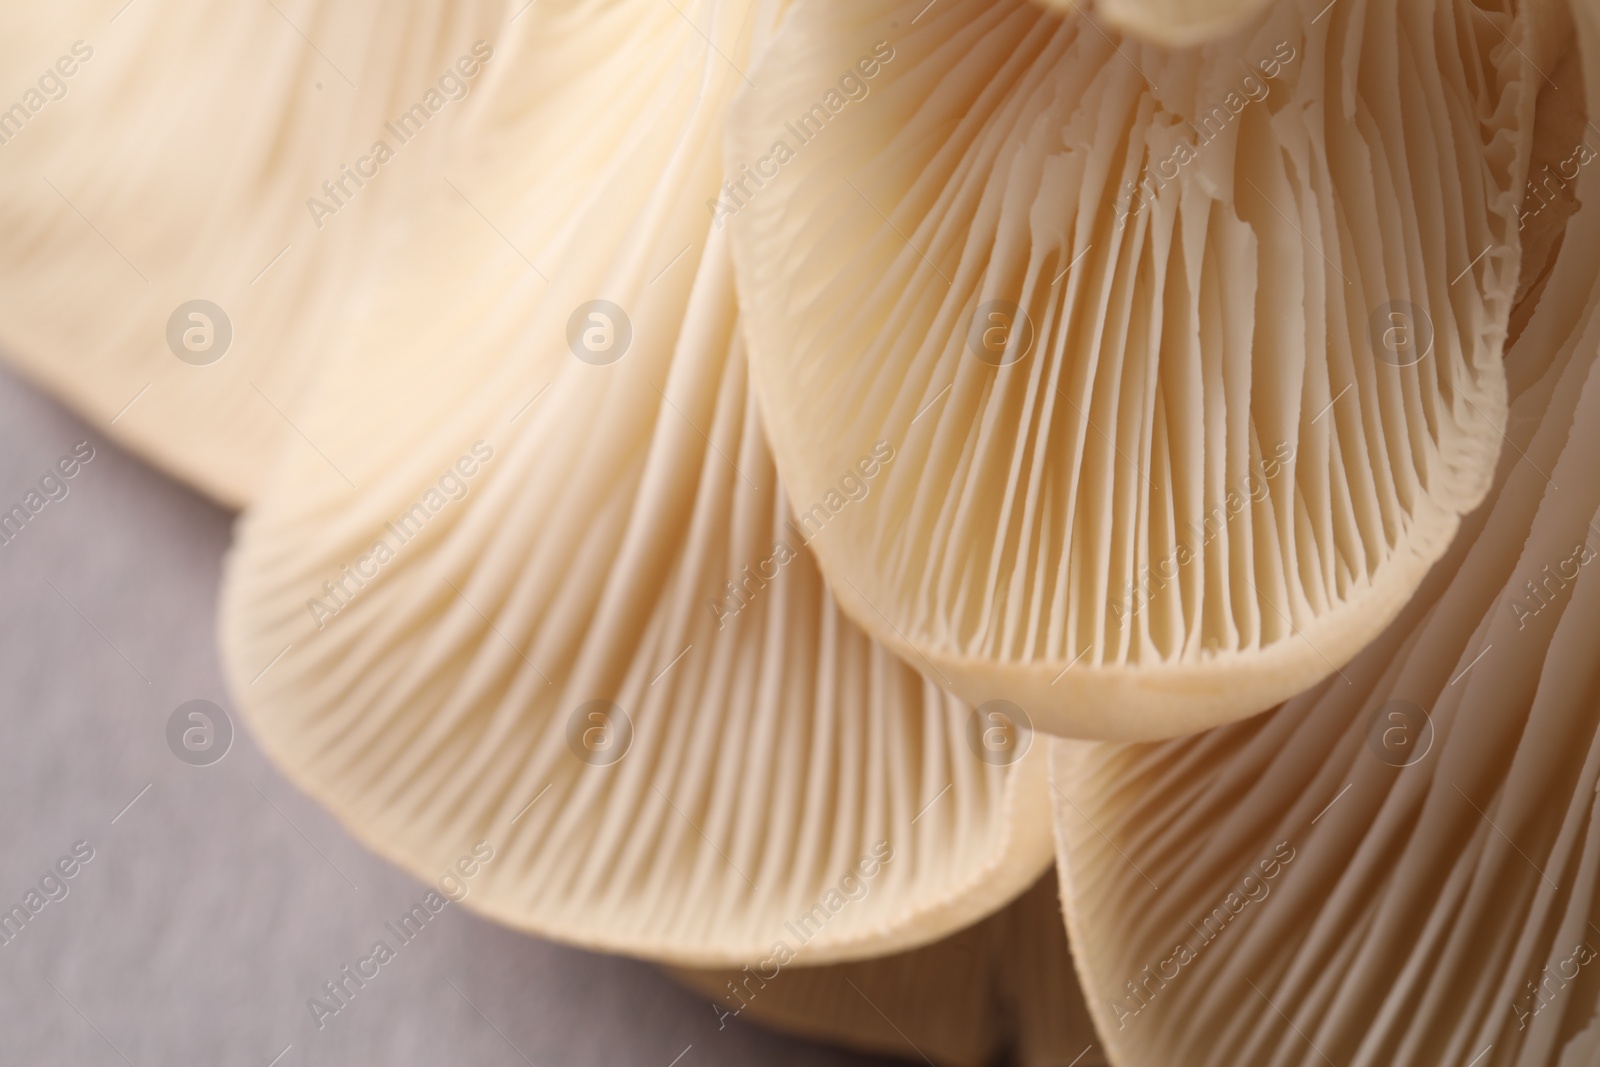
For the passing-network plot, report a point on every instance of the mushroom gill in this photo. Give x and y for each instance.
(1145, 328)
(1398, 866)
(1000, 991)
(162, 267)
(590, 637)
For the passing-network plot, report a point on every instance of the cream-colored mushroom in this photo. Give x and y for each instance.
(1191, 359)
(1174, 23)
(1002, 990)
(1400, 865)
(187, 214)
(590, 637)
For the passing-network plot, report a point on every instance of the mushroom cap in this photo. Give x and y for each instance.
(1400, 865)
(179, 166)
(589, 600)
(1179, 424)
(1173, 23)
(1002, 990)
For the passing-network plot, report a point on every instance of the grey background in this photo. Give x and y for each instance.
(221, 899)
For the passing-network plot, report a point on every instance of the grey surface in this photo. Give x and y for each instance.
(221, 900)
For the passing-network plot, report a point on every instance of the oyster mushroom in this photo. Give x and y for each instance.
(1143, 328)
(1398, 866)
(1174, 23)
(1002, 990)
(590, 638)
(162, 267)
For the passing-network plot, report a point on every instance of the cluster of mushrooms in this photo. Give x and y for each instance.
(829, 488)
